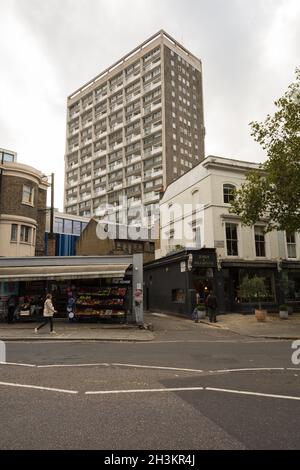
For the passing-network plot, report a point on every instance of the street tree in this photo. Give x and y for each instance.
(273, 192)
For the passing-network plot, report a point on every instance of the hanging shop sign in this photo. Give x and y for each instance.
(204, 260)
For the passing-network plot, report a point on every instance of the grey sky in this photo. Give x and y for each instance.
(249, 50)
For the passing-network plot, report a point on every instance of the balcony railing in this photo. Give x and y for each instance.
(100, 152)
(115, 126)
(74, 147)
(151, 196)
(116, 146)
(133, 96)
(151, 86)
(83, 179)
(134, 181)
(152, 173)
(151, 107)
(84, 197)
(100, 172)
(133, 117)
(116, 86)
(99, 191)
(116, 106)
(152, 64)
(87, 106)
(86, 159)
(72, 182)
(133, 137)
(87, 140)
(113, 166)
(135, 203)
(133, 159)
(71, 200)
(133, 76)
(73, 131)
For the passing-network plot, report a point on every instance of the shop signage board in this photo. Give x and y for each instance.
(204, 260)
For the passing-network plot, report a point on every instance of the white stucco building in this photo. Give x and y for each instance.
(194, 214)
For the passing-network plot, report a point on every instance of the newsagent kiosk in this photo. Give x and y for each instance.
(105, 288)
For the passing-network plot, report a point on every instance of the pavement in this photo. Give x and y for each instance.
(247, 325)
(65, 331)
(161, 324)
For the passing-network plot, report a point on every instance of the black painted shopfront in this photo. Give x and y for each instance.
(176, 282)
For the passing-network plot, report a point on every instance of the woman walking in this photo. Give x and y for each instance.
(48, 314)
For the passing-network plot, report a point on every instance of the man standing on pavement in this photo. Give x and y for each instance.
(12, 305)
(212, 307)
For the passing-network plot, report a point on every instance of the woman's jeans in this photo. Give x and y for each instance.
(47, 320)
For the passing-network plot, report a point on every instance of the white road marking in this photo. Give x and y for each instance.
(156, 367)
(188, 389)
(16, 364)
(8, 384)
(159, 315)
(242, 392)
(229, 341)
(141, 366)
(146, 390)
(74, 365)
(247, 369)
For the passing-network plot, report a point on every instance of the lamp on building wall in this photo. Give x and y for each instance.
(219, 263)
(190, 262)
(279, 265)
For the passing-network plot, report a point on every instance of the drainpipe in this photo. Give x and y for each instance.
(52, 205)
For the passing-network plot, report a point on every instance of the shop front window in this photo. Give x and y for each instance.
(260, 249)
(291, 245)
(231, 240)
(291, 285)
(178, 296)
(267, 276)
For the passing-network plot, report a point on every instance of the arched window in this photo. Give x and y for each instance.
(195, 196)
(228, 193)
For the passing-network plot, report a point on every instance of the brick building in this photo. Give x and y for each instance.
(117, 241)
(23, 197)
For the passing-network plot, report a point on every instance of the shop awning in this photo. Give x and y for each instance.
(60, 270)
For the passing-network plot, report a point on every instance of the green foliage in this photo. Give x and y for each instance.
(253, 289)
(201, 307)
(283, 308)
(273, 192)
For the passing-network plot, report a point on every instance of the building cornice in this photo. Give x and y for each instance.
(25, 171)
(12, 218)
(230, 164)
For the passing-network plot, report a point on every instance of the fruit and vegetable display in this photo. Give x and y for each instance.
(92, 303)
(100, 313)
(88, 300)
(106, 292)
